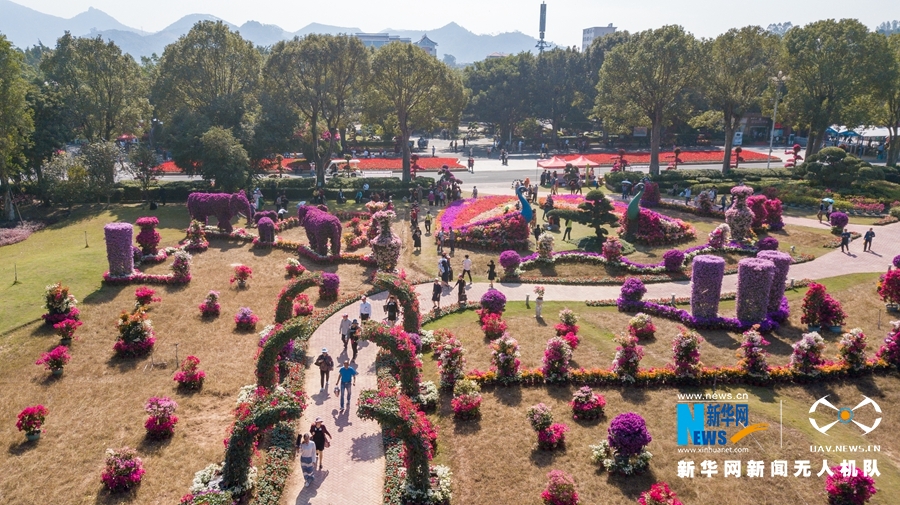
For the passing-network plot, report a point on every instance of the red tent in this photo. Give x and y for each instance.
(554, 163)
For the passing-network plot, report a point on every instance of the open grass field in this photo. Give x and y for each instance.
(98, 402)
(480, 468)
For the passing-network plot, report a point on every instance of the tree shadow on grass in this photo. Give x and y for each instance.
(105, 293)
(105, 497)
(19, 448)
(467, 427)
(508, 396)
(562, 392)
(631, 485)
(149, 445)
(124, 364)
(42, 330)
(633, 394)
(721, 340)
(542, 458)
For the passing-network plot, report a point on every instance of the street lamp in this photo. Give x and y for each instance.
(779, 79)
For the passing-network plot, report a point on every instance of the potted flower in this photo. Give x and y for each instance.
(659, 494)
(55, 360)
(189, 376)
(143, 297)
(302, 306)
(832, 314)
(242, 274)
(210, 306)
(560, 489)
(624, 450)
(162, 419)
(493, 326)
(60, 304)
(539, 416)
(847, 485)
(466, 401)
(812, 306)
(538, 301)
(123, 471)
(245, 319)
(641, 326)
(294, 268)
(30, 420)
(552, 437)
(65, 329)
(586, 404)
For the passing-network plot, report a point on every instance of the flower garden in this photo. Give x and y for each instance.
(194, 339)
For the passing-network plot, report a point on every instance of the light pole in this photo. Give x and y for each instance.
(778, 80)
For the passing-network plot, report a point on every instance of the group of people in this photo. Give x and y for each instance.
(445, 275)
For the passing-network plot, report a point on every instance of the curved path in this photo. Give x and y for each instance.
(354, 464)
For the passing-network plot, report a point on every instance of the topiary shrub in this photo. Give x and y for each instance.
(673, 260)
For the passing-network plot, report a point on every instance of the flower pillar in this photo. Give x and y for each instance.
(148, 238)
(739, 217)
(706, 285)
(386, 245)
(782, 263)
(118, 249)
(754, 284)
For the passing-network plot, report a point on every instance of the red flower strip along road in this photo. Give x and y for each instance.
(700, 156)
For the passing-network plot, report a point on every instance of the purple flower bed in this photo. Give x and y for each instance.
(896, 261)
(754, 284)
(706, 285)
(118, 249)
(10, 236)
(328, 289)
(767, 324)
(628, 434)
(510, 260)
(493, 301)
(782, 262)
(767, 244)
(633, 290)
(673, 260)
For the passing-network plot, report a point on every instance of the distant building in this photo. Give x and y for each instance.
(495, 55)
(428, 45)
(589, 34)
(377, 40)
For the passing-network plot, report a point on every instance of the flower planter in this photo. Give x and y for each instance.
(811, 327)
(56, 372)
(241, 284)
(835, 329)
(892, 307)
(65, 341)
(31, 437)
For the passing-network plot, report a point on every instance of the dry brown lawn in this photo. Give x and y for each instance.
(98, 402)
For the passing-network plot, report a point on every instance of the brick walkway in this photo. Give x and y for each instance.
(354, 464)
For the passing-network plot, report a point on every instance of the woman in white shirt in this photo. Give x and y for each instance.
(307, 450)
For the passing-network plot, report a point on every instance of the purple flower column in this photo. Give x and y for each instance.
(782, 263)
(266, 230)
(706, 285)
(118, 249)
(754, 284)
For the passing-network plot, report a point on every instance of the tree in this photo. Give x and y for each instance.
(317, 76)
(736, 73)
(832, 167)
(831, 64)
(419, 88)
(66, 179)
(779, 29)
(499, 90)
(143, 166)
(52, 129)
(102, 87)
(100, 160)
(886, 95)
(596, 212)
(223, 159)
(208, 77)
(888, 27)
(649, 74)
(15, 119)
(559, 75)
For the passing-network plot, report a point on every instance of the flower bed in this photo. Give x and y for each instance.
(685, 155)
(654, 228)
(423, 163)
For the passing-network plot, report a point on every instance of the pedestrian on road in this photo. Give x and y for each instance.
(867, 240)
(451, 240)
(348, 379)
(436, 290)
(492, 272)
(828, 212)
(568, 233)
(353, 337)
(821, 211)
(392, 308)
(319, 432)
(428, 223)
(432, 151)
(345, 328)
(536, 231)
(687, 195)
(467, 268)
(845, 241)
(326, 365)
(474, 192)
(306, 448)
(724, 200)
(461, 293)
(365, 309)
(417, 239)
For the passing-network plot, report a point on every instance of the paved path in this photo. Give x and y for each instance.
(354, 464)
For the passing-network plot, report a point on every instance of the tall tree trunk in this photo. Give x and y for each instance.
(404, 135)
(655, 132)
(729, 140)
(893, 146)
(320, 168)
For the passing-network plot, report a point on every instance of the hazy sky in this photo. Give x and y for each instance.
(565, 18)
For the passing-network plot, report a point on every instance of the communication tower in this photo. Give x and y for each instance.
(541, 43)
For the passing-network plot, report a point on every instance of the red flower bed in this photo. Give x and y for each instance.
(397, 163)
(699, 156)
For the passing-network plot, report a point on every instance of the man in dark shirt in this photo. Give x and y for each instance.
(845, 241)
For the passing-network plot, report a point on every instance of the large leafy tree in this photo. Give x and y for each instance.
(223, 159)
(319, 76)
(831, 64)
(143, 166)
(886, 94)
(15, 119)
(100, 160)
(738, 64)
(557, 88)
(52, 128)
(650, 75)
(103, 89)
(499, 90)
(208, 77)
(420, 89)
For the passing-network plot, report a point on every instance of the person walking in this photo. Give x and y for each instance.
(318, 432)
(440, 241)
(867, 240)
(444, 269)
(348, 379)
(428, 223)
(306, 448)
(353, 337)
(845, 241)
(568, 233)
(467, 268)
(436, 290)
(536, 231)
(326, 365)
(492, 272)
(687, 195)
(474, 192)
(451, 240)
(471, 163)
(461, 293)
(365, 309)
(417, 239)
(828, 212)
(821, 211)
(724, 200)
(392, 308)
(345, 328)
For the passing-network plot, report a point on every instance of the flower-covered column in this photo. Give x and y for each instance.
(386, 245)
(706, 285)
(782, 263)
(148, 238)
(739, 217)
(118, 249)
(266, 230)
(754, 284)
